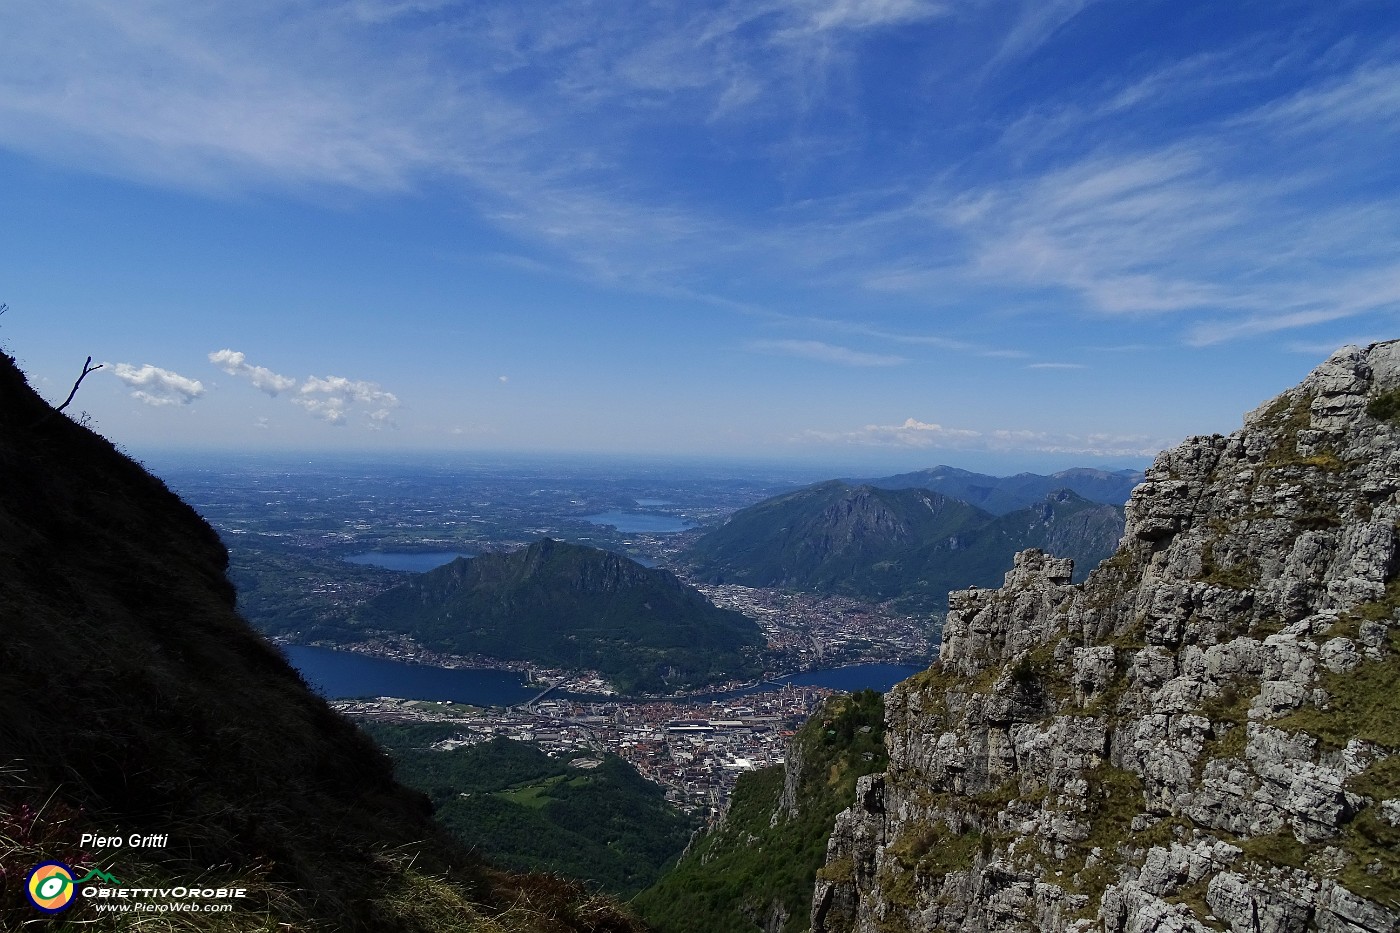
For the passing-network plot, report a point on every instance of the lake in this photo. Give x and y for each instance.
(411, 562)
(636, 522)
(343, 674)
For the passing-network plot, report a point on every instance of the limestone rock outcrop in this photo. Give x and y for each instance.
(1203, 735)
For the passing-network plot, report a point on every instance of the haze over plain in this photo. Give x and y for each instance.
(836, 231)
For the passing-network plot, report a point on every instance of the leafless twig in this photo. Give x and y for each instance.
(87, 369)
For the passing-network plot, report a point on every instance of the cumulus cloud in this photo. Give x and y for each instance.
(925, 434)
(235, 364)
(330, 410)
(355, 390)
(156, 386)
(331, 398)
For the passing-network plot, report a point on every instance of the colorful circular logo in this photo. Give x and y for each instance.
(50, 887)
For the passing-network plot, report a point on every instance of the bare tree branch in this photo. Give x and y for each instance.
(87, 368)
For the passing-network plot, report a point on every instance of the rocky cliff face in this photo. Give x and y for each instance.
(1201, 736)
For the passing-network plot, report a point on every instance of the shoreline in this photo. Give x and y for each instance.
(581, 683)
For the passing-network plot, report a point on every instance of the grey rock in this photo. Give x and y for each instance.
(1247, 907)
(1100, 783)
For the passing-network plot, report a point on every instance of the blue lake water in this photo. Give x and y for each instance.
(412, 562)
(634, 522)
(341, 674)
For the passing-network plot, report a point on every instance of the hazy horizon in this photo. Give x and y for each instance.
(816, 468)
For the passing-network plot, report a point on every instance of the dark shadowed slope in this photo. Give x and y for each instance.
(133, 699)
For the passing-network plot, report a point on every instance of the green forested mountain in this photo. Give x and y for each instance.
(755, 870)
(572, 606)
(908, 544)
(523, 809)
(134, 700)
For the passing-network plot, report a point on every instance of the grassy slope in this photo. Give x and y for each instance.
(731, 878)
(525, 810)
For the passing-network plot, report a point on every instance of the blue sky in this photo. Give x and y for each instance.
(991, 233)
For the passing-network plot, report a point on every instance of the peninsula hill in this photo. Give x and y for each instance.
(568, 605)
(910, 544)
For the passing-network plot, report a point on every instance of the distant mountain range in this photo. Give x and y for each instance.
(909, 544)
(568, 605)
(1002, 494)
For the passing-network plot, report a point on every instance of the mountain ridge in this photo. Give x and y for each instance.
(1002, 494)
(909, 544)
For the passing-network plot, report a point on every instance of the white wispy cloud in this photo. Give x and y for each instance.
(1245, 225)
(155, 386)
(1368, 95)
(864, 14)
(1036, 22)
(200, 96)
(913, 433)
(1054, 366)
(383, 11)
(824, 352)
(1237, 223)
(235, 363)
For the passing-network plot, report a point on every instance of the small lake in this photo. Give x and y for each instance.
(411, 562)
(343, 674)
(635, 522)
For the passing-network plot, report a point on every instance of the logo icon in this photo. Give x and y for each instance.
(50, 887)
(95, 875)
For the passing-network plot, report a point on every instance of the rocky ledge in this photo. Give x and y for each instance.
(1200, 736)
